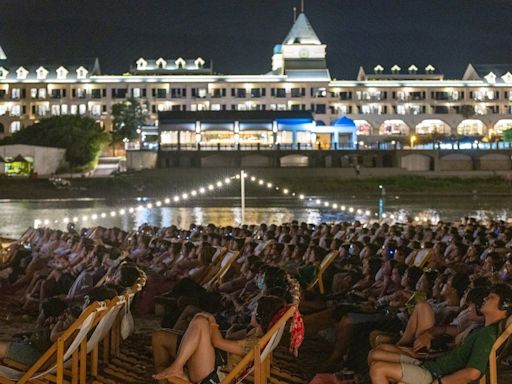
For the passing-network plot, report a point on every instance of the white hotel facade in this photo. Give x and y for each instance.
(384, 102)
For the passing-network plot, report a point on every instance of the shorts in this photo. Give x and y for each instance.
(413, 372)
(23, 353)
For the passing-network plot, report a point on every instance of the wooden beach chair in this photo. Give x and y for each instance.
(498, 349)
(226, 263)
(326, 263)
(68, 350)
(114, 363)
(256, 362)
(422, 257)
(214, 267)
(102, 329)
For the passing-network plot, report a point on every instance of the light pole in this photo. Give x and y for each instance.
(413, 140)
(242, 195)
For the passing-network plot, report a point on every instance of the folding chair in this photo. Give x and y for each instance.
(259, 357)
(58, 356)
(326, 263)
(102, 329)
(497, 350)
(214, 266)
(226, 263)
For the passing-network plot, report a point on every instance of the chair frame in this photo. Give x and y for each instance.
(259, 356)
(493, 356)
(59, 349)
(326, 263)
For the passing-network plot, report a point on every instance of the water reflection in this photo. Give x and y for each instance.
(16, 216)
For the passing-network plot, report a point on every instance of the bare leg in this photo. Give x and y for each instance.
(196, 351)
(384, 352)
(186, 316)
(384, 373)
(343, 336)
(164, 345)
(3, 348)
(421, 319)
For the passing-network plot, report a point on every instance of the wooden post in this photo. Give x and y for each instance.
(83, 360)
(60, 360)
(258, 379)
(74, 368)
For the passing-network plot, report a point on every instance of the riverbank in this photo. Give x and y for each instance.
(164, 182)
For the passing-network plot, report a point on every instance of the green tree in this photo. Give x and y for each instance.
(81, 137)
(127, 117)
(467, 111)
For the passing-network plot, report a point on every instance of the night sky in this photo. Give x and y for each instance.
(238, 35)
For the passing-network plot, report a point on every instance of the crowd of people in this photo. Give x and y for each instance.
(402, 302)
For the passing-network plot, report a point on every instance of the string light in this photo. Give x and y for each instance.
(211, 187)
(150, 205)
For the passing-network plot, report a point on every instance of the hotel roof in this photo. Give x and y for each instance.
(302, 32)
(170, 117)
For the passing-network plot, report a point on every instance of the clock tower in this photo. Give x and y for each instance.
(2, 54)
(301, 49)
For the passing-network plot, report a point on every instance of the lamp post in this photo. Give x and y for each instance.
(242, 195)
(413, 140)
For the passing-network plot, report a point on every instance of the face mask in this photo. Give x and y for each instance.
(261, 282)
(351, 250)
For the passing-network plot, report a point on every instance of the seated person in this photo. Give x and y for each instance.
(197, 348)
(466, 363)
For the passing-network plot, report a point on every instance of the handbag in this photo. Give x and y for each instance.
(127, 324)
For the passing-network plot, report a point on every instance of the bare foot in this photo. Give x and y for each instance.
(172, 371)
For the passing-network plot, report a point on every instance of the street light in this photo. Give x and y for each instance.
(413, 139)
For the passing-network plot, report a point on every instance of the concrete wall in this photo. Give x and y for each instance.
(137, 160)
(495, 162)
(416, 162)
(46, 160)
(456, 162)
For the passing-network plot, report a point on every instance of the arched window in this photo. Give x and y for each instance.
(433, 126)
(502, 125)
(471, 127)
(394, 127)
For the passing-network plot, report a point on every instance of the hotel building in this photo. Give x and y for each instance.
(384, 103)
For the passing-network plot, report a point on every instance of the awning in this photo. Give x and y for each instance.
(344, 122)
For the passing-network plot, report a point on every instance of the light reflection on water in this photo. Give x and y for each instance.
(16, 216)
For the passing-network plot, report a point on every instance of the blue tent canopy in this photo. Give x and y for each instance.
(344, 122)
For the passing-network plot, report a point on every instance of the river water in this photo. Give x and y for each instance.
(17, 215)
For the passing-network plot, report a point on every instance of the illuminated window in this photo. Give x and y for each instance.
(55, 110)
(15, 126)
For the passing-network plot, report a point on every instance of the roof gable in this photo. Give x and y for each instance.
(302, 32)
(2, 54)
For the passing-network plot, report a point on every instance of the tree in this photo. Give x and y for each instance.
(467, 111)
(81, 137)
(127, 117)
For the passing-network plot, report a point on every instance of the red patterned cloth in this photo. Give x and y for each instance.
(296, 328)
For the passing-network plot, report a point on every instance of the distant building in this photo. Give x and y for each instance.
(23, 160)
(383, 102)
